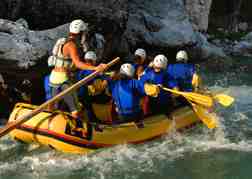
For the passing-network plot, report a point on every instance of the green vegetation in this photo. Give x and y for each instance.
(223, 34)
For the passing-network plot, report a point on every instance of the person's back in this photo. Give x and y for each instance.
(182, 74)
(153, 77)
(126, 94)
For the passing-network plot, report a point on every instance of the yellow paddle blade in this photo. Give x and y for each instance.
(224, 99)
(204, 100)
(209, 119)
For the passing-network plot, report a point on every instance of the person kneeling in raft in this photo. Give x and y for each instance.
(156, 74)
(92, 88)
(126, 94)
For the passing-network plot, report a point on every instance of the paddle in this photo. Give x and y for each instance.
(24, 118)
(204, 100)
(208, 119)
(224, 99)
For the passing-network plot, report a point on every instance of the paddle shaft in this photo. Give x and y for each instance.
(10, 126)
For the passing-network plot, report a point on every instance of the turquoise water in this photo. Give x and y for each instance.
(225, 153)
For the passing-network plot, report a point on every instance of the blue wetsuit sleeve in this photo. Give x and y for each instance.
(82, 74)
(145, 77)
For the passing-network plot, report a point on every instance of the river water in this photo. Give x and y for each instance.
(225, 153)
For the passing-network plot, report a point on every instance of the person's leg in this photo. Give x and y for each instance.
(54, 90)
(92, 118)
(139, 120)
(113, 113)
(146, 106)
(72, 102)
(155, 106)
(73, 105)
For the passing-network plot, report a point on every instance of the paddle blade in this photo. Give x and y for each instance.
(224, 100)
(204, 100)
(209, 119)
(199, 99)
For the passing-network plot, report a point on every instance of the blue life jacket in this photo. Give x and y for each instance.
(180, 75)
(82, 74)
(48, 94)
(150, 76)
(126, 95)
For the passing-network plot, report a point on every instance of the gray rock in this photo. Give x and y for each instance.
(23, 48)
(244, 47)
(243, 26)
(158, 23)
(198, 11)
(205, 50)
(23, 22)
(126, 25)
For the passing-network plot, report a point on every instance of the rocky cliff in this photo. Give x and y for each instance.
(160, 26)
(198, 11)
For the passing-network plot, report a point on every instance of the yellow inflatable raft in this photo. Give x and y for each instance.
(51, 129)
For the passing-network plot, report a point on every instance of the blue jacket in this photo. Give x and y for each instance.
(180, 75)
(126, 95)
(150, 76)
(82, 74)
(48, 94)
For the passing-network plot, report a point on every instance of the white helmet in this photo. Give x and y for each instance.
(90, 55)
(141, 52)
(77, 26)
(182, 56)
(160, 61)
(127, 69)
